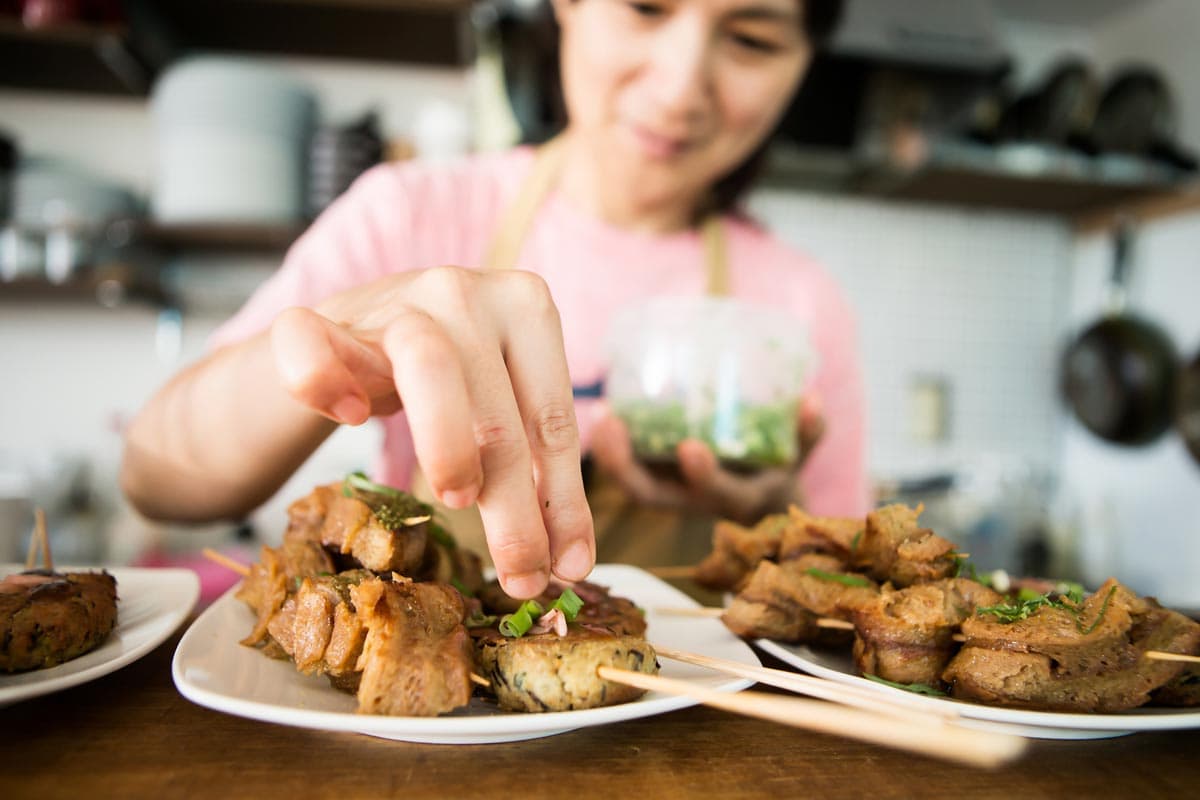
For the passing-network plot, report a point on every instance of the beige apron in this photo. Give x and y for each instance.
(626, 532)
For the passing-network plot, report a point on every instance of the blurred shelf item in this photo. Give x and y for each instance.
(125, 58)
(1017, 177)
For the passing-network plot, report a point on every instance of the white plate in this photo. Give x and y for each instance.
(151, 604)
(213, 670)
(839, 666)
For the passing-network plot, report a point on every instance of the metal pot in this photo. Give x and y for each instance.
(1187, 417)
(1119, 376)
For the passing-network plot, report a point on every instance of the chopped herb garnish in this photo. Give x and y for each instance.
(569, 603)
(854, 542)
(915, 688)
(393, 508)
(1066, 597)
(1023, 608)
(965, 569)
(462, 587)
(845, 580)
(479, 620)
(1103, 608)
(518, 623)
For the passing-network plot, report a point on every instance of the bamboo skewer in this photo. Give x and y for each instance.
(964, 745)
(679, 571)
(822, 622)
(227, 562)
(1160, 655)
(914, 709)
(39, 539)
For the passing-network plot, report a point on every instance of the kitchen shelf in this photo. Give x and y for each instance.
(94, 59)
(124, 59)
(1026, 178)
(231, 237)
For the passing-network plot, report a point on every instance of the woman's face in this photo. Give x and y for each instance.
(670, 95)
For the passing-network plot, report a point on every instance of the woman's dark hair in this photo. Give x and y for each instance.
(530, 42)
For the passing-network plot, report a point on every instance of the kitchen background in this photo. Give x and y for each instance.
(968, 289)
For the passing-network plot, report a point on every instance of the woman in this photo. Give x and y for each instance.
(665, 100)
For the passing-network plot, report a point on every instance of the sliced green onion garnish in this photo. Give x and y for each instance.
(915, 688)
(516, 624)
(462, 587)
(845, 580)
(1103, 608)
(569, 603)
(854, 542)
(359, 480)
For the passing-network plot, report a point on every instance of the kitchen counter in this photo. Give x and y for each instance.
(131, 734)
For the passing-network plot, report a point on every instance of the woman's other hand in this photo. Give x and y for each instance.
(476, 360)
(706, 485)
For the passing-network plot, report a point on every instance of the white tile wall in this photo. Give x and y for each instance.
(968, 297)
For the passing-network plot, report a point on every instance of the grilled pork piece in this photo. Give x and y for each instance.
(738, 549)
(894, 548)
(836, 536)
(784, 601)
(1063, 657)
(547, 672)
(365, 526)
(907, 635)
(417, 659)
(47, 618)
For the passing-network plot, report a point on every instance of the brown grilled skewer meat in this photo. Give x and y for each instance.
(907, 635)
(1066, 657)
(786, 601)
(737, 550)
(47, 618)
(349, 627)
(894, 548)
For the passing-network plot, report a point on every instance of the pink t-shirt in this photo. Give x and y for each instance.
(413, 215)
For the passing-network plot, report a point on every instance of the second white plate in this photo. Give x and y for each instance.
(151, 604)
(210, 668)
(838, 666)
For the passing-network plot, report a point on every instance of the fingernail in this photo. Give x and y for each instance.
(459, 498)
(524, 585)
(575, 563)
(351, 410)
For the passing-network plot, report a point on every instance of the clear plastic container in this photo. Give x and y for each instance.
(714, 369)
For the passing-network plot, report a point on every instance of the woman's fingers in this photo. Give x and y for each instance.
(428, 374)
(613, 452)
(739, 497)
(811, 425)
(305, 346)
(537, 366)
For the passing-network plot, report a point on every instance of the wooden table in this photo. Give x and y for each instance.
(131, 734)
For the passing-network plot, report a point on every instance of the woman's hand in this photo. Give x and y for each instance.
(707, 486)
(476, 360)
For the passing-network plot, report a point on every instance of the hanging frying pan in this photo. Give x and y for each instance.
(1119, 375)
(1187, 418)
